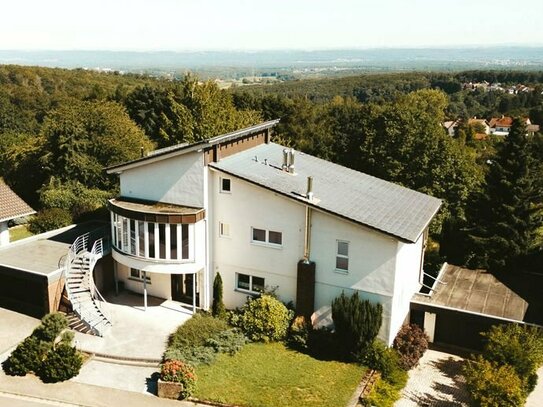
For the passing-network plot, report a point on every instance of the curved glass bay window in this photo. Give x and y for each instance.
(147, 231)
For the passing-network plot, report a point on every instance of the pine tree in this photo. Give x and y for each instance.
(217, 308)
(504, 217)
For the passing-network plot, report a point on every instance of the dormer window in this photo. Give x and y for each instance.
(226, 185)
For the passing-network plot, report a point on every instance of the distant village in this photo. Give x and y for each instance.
(497, 87)
(496, 126)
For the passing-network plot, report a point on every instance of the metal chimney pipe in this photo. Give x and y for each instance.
(309, 193)
(285, 160)
(291, 161)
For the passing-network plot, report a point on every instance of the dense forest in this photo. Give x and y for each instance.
(60, 128)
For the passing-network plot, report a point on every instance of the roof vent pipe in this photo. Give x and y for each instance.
(291, 161)
(285, 159)
(309, 193)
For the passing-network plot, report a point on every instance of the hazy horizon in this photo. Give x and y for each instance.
(251, 25)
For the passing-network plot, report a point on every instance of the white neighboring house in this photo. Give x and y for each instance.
(265, 216)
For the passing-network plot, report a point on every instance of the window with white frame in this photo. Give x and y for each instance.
(250, 283)
(226, 185)
(224, 229)
(342, 255)
(136, 274)
(270, 237)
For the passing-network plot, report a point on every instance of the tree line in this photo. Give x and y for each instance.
(60, 128)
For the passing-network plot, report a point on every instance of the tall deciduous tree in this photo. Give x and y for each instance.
(187, 111)
(505, 216)
(83, 138)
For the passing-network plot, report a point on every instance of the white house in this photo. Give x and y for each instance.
(264, 216)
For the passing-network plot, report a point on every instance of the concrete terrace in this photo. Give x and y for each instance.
(135, 333)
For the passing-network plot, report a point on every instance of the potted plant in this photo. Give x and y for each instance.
(177, 380)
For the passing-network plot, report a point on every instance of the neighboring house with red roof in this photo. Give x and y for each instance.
(11, 207)
(500, 126)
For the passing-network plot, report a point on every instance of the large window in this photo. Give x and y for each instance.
(342, 255)
(152, 240)
(250, 283)
(270, 237)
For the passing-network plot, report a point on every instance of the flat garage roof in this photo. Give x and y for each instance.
(475, 291)
(42, 253)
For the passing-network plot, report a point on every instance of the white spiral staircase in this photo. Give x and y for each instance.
(87, 302)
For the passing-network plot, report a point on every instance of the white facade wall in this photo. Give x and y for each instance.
(251, 206)
(372, 255)
(160, 285)
(200, 259)
(178, 180)
(407, 281)
(372, 264)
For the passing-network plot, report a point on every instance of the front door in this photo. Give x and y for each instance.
(183, 288)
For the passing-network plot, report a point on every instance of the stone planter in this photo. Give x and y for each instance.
(169, 390)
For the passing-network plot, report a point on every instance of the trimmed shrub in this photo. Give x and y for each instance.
(61, 363)
(491, 385)
(194, 355)
(411, 343)
(49, 219)
(265, 319)
(196, 331)
(518, 346)
(51, 327)
(357, 322)
(27, 357)
(217, 309)
(179, 372)
(382, 358)
(299, 333)
(230, 341)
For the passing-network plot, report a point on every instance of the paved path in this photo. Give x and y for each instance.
(435, 382)
(68, 394)
(535, 399)
(14, 327)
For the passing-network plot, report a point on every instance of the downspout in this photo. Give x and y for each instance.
(307, 229)
(307, 234)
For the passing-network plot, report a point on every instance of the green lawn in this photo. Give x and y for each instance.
(272, 375)
(19, 232)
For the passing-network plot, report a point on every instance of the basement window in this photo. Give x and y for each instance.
(250, 283)
(342, 256)
(136, 274)
(226, 185)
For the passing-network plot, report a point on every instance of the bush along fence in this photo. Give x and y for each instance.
(506, 371)
(47, 352)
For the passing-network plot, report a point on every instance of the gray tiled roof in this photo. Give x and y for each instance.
(11, 206)
(381, 205)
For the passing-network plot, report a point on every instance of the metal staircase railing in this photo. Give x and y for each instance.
(96, 319)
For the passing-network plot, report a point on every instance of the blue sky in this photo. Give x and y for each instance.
(177, 25)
